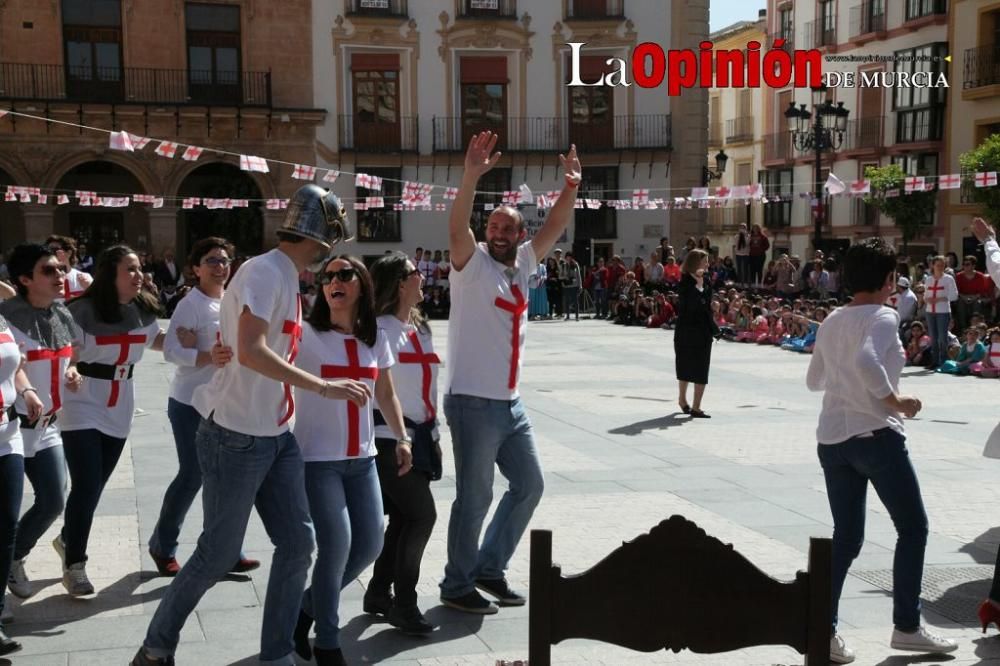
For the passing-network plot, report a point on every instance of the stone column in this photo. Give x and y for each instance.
(689, 120)
(162, 228)
(39, 223)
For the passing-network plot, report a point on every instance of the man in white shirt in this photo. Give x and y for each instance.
(857, 362)
(489, 426)
(248, 455)
(904, 301)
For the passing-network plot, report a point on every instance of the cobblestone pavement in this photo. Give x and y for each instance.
(618, 458)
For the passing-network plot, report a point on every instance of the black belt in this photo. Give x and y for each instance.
(31, 425)
(425, 457)
(105, 371)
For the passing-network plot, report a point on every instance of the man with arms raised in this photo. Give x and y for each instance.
(489, 426)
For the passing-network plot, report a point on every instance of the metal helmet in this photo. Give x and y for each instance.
(317, 214)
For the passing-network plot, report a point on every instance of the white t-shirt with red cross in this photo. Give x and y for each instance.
(942, 287)
(197, 312)
(46, 370)
(10, 360)
(103, 404)
(415, 374)
(487, 324)
(73, 285)
(241, 399)
(338, 429)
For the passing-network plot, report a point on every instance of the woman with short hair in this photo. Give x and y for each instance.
(694, 331)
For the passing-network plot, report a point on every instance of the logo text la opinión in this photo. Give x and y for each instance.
(707, 68)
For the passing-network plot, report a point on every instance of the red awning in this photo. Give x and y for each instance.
(491, 69)
(591, 68)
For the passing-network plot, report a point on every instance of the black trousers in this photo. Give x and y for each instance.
(410, 506)
(91, 457)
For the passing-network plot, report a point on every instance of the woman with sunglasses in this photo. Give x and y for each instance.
(117, 320)
(197, 313)
(76, 281)
(44, 331)
(342, 340)
(408, 500)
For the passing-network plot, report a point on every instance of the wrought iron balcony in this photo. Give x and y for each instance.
(386, 8)
(822, 33)
(133, 85)
(865, 133)
(916, 9)
(487, 9)
(552, 134)
(867, 18)
(739, 129)
(982, 66)
(362, 135)
(788, 35)
(592, 10)
(778, 146)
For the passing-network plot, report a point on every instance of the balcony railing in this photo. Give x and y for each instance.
(589, 10)
(982, 66)
(822, 33)
(864, 133)
(868, 17)
(916, 9)
(388, 8)
(739, 129)
(488, 9)
(550, 134)
(778, 146)
(864, 214)
(916, 125)
(361, 135)
(132, 85)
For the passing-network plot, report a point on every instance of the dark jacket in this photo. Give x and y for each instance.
(694, 309)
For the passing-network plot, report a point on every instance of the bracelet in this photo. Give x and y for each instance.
(33, 390)
(405, 440)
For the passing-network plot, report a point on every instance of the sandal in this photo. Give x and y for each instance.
(698, 414)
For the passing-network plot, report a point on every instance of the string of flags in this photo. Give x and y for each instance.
(418, 196)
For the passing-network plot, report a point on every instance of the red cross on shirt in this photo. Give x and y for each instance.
(353, 370)
(124, 342)
(294, 329)
(516, 309)
(425, 361)
(4, 337)
(52, 356)
(934, 289)
(69, 293)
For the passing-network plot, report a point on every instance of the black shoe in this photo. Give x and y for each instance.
(143, 659)
(410, 621)
(301, 636)
(501, 590)
(7, 644)
(698, 414)
(376, 603)
(472, 602)
(330, 657)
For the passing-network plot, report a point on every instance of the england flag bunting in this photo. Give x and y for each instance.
(9, 196)
(360, 205)
(62, 200)
(304, 172)
(166, 149)
(190, 202)
(699, 192)
(986, 179)
(913, 183)
(253, 163)
(723, 192)
(192, 153)
(450, 193)
(640, 196)
(121, 141)
(273, 204)
(863, 186)
(138, 142)
(951, 181)
(331, 176)
(158, 202)
(440, 206)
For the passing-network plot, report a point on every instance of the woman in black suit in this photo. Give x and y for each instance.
(694, 332)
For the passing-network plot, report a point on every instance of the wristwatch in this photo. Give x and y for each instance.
(405, 440)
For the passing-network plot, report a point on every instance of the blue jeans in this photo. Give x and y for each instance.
(184, 421)
(11, 487)
(346, 505)
(883, 460)
(485, 433)
(240, 472)
(46, 471)
(601, 302)
(937, 328)
(91, 457)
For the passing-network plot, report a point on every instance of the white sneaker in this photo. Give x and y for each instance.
(75, 580)
(17, 581)
(839, 652)
(921, 641)
(60, 547)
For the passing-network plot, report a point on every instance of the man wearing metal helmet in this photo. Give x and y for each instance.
(248, 455)
(489, 288)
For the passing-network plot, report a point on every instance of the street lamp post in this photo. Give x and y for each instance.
(826, 133)
(707, 175)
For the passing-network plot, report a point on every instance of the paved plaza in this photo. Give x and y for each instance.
(618, 459)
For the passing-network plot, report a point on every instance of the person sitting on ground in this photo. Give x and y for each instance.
(970, 355)
(990, 367)
(918, 349)
(671, 274)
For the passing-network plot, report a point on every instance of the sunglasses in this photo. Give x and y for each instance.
(52, 271)
(344, 275)
(217, 261)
